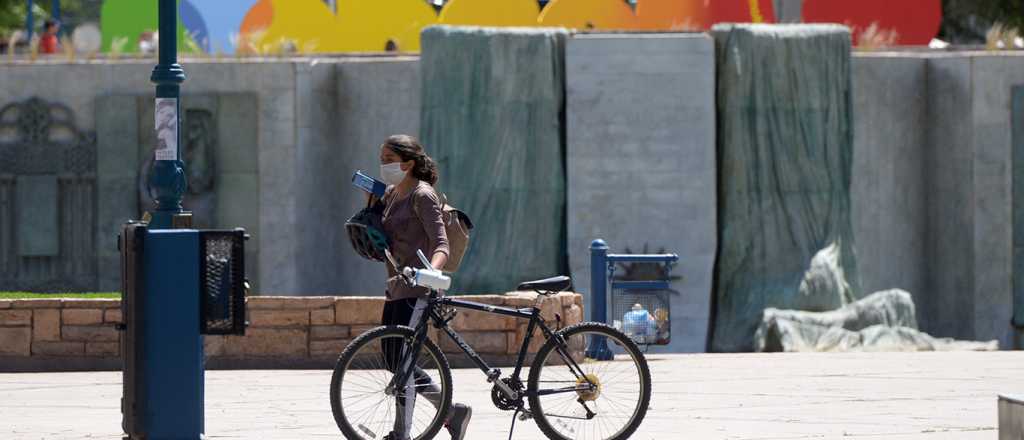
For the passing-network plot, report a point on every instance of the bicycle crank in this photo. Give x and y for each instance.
(503, 401)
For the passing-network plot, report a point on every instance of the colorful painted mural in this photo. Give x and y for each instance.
(230, 26)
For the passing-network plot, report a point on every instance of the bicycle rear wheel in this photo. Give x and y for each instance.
(364, 406)
(602, 400)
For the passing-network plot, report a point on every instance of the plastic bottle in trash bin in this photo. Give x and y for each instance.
(638, 323)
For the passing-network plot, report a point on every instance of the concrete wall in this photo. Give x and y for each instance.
(933, 215)
(640, 120)
(289, 143)
(888, 186)
(991, 82)
(375, 99)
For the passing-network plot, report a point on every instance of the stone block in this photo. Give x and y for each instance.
(321, 317)
(82, 316)
(46, 325)
(288, 302)
(327, 348)
(318, 332)
(213, 345)
(102, 348)
(268, 342)
(481, 321)
(85, 333)
(358, 310)
(535, 341)
(37, 216)
(44, 348)
(15, 318)
(573, 315)
(278, 318)
(16, 341)
(516, 300)
(5, 303)
(482, 342)
(112, 316)
(36, 304)
(567, 298)
(549, 308)
(357, 330)
(90, 303)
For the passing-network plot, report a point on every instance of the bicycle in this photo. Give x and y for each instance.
(587, 381)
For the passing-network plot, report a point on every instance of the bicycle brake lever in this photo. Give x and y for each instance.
(424, 260)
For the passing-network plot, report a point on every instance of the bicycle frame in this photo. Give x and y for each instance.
(493, 374)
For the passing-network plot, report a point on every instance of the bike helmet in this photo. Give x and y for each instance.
(366, 233)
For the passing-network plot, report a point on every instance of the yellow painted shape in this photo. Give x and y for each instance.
(308, 24)
(367, 25)
(755, 11)
(588, 14)
(490, 12)
(676, 15)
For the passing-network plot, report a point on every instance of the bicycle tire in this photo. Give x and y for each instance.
(537, 368)
(370, 336)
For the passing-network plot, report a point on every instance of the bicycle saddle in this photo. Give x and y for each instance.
(555, 284)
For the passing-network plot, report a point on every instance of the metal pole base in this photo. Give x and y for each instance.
(599, 349)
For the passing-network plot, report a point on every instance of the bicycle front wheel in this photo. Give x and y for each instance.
(575, 396)
(366, 403)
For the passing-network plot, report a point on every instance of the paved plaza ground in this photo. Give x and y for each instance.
(742, 396)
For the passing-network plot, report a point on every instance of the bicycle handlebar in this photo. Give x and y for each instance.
(428, 277)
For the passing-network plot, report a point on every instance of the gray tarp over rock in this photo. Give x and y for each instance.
(492, 116)
(785, 152)
(882, 321)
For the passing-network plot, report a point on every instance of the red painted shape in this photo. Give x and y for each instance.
(916, 21)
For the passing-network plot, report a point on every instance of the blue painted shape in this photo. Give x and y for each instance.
(223, 19)
(171, 344)
(194, 24)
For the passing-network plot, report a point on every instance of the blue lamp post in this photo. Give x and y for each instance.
(167, 181)
(30, 22)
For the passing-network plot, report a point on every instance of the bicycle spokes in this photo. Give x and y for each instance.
(585, 398)
(375, 403)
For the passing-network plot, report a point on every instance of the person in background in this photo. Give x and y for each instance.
(48, 42)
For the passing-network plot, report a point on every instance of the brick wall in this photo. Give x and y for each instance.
(283, 332)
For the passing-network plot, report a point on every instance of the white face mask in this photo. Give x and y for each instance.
(392, 173)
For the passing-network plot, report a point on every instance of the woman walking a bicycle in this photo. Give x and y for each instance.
(587, 381)
(412, 221)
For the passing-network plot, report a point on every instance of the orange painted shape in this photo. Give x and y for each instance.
(259, 17)
(916, 21)
(743, 11)
(490, 12)
(673, 14)
(588, 14)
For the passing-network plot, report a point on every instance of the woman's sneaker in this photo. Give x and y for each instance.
(459, 421)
